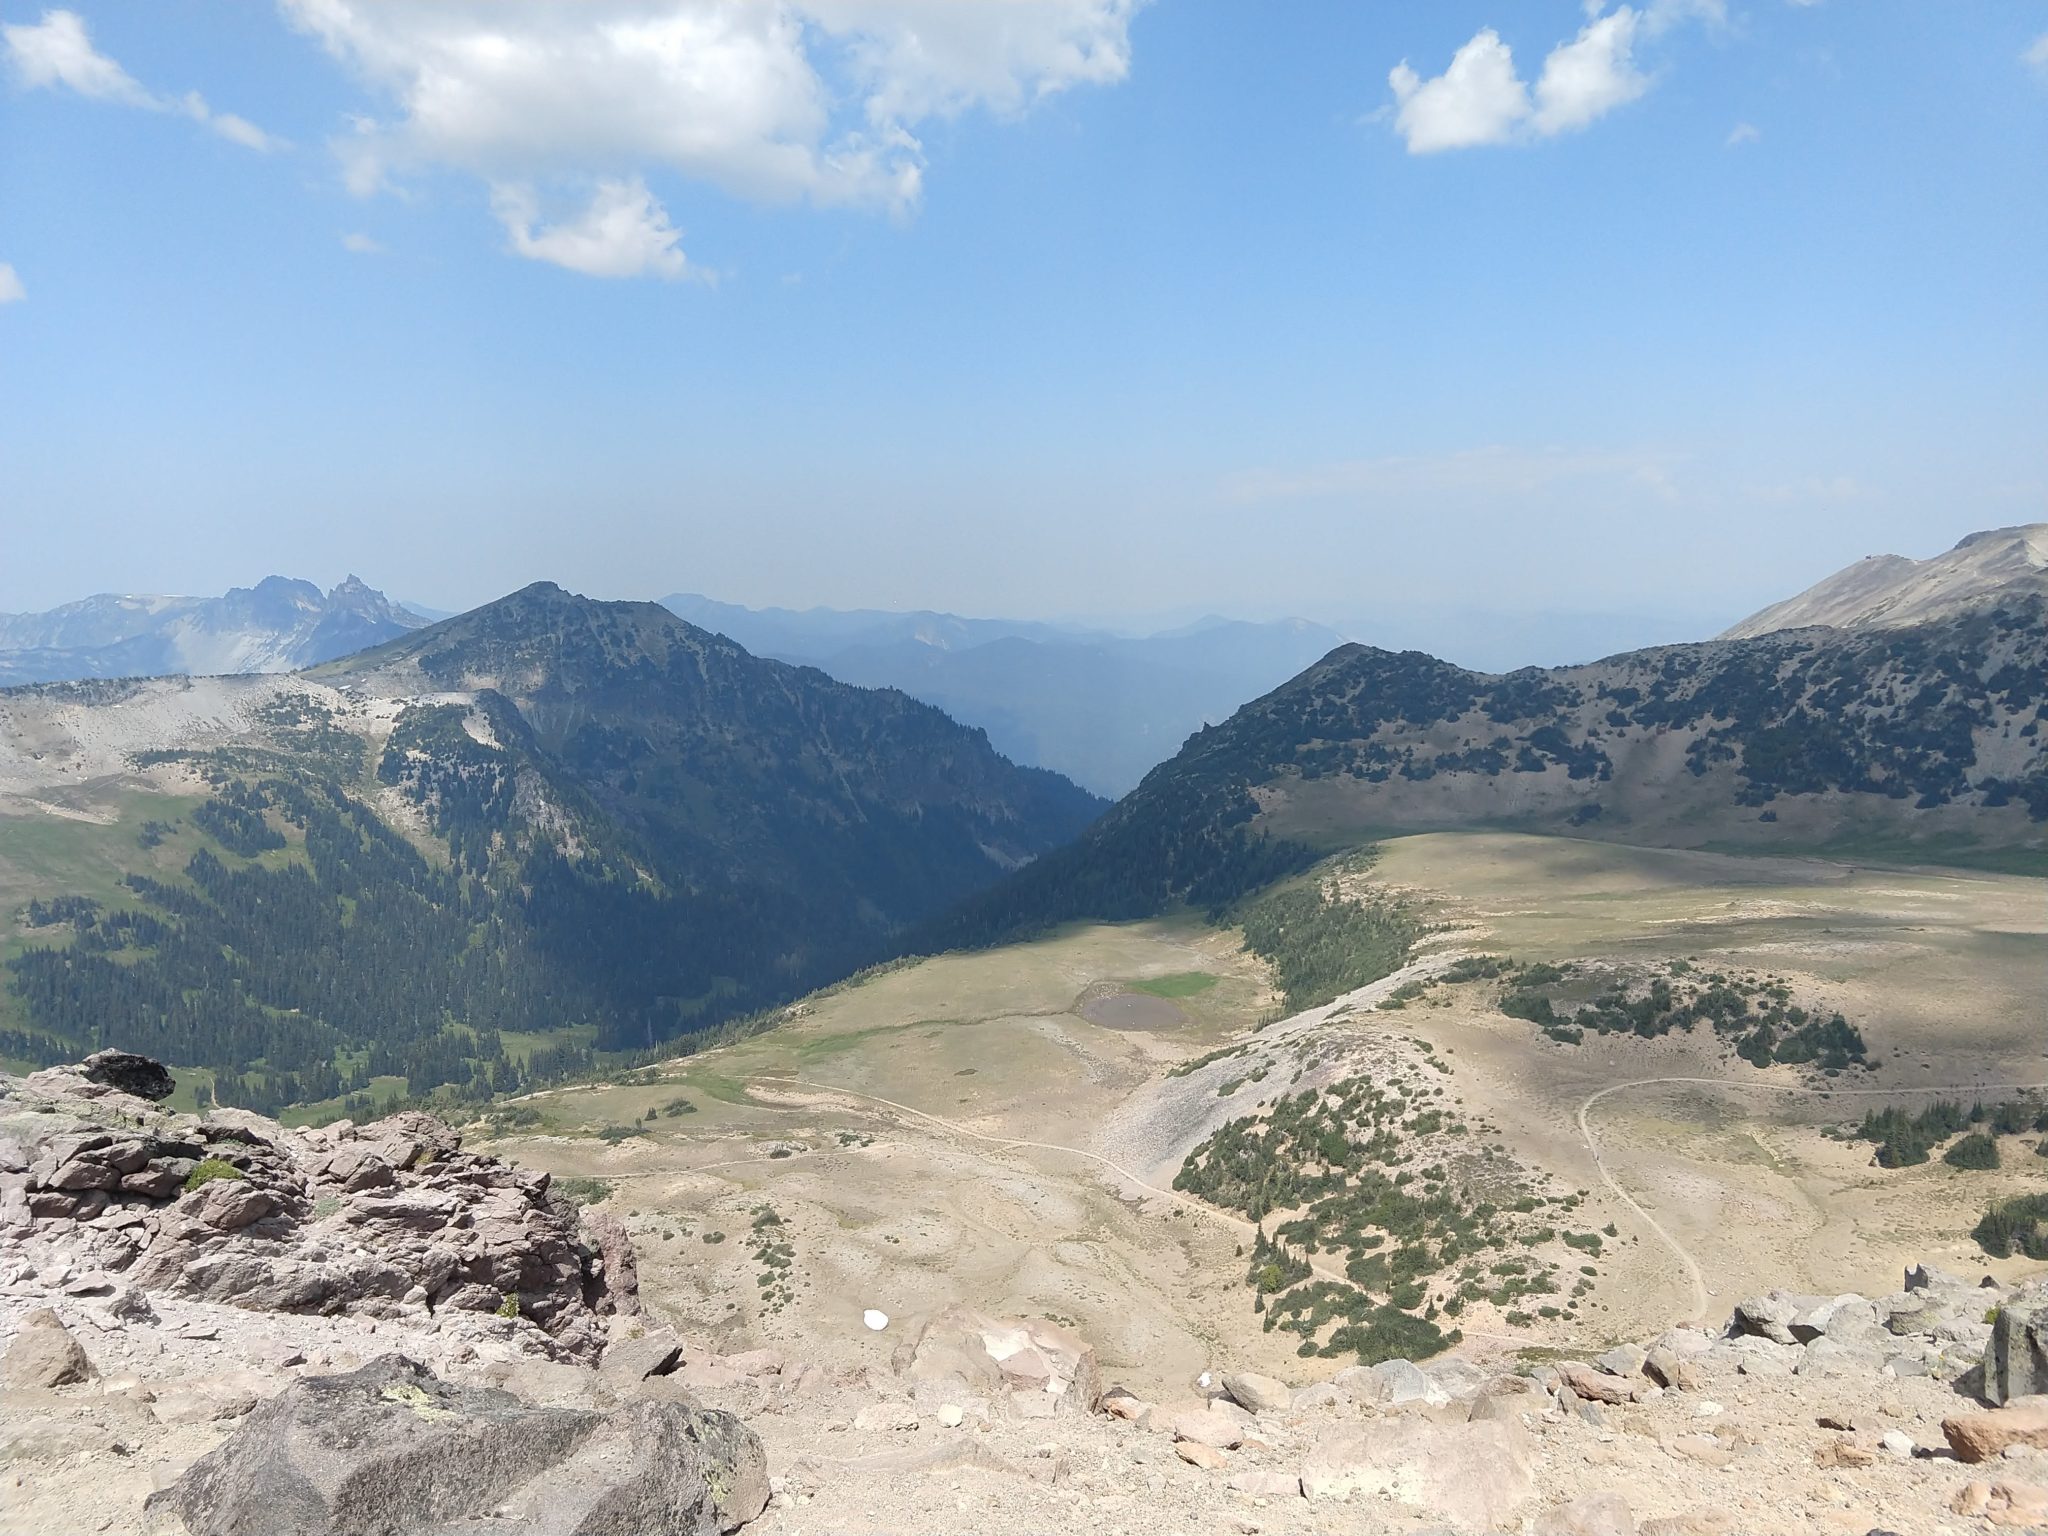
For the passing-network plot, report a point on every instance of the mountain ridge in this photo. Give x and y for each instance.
(278, 625)
(1924, 736)
(1983, 569)
(579, 824)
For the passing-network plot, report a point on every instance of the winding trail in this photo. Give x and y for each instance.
(1700, 1292)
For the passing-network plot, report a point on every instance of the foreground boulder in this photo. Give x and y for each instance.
(126, 1072)
(2016, 1359)
(44, 1355)
(389, 1219)
(391, 1448)
(1976, 1437)
(1031, 1367)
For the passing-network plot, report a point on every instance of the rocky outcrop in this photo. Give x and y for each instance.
(2016, 1358)
(390, 1219)
(391, 1447)
(126, 1072)
(1030, 1367)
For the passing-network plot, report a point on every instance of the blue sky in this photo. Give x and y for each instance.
(1371, 312)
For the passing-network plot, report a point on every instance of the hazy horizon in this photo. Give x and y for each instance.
(1361, 314)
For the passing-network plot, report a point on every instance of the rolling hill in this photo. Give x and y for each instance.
(1921, 742)
(569, 822)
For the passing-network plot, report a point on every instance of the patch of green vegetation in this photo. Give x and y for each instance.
(578, 1190)
(1402, 996)
(1905, 1139)
(1181, 984)
(509, 1307)
(1221, 1053)
(207, 1169)
(1755, 1013)
(1322, 942)
(714, 1085)
(811, 1049)
(1975, 1151)
(774, 1253)
(2015, 1226)
(1377, 1176)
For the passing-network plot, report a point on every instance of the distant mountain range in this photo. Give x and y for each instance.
(275, 626)
(552, 820)
(1905, 740)
(1101, 709)
(2000, 565)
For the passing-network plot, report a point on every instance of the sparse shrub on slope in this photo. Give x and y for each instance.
(1755, 1014)
(1420, 1223)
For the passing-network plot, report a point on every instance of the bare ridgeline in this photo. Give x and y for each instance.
(228, 1326)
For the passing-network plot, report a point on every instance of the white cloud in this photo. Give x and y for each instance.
(361, 244)
(1482, 99)
(11, 290)
(1478, 100)
(2037, 54)
(239, 130)
(1744, 133)
(1587, 78)
(775, 100)
(623, 232)
(57, 52)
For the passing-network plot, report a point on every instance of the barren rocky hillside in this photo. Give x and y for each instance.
(222, 1326)
(1997, 566)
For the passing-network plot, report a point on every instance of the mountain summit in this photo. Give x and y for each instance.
(1997, 566)
(278, 625)
(474, 852)
(714, 757)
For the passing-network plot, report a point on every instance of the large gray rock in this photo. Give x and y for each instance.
(391, 1449)
(1925, 1277)
(1391, 1383)
(1477, 1476)
(1459, 1380)
(1771, 1315)
(630, 1358)
(44, 1355)
(1261, 1394)
(1827, 1357)
(1590, 1514)
(2016, 1358)
(1028, 1366)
